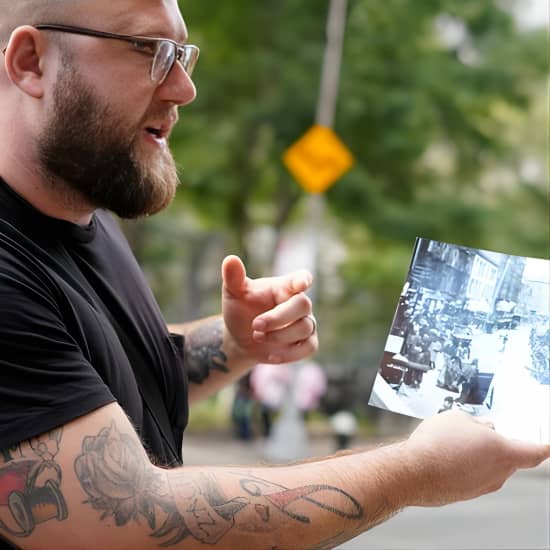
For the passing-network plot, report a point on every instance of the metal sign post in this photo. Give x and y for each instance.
(319, 154)
(328, 98)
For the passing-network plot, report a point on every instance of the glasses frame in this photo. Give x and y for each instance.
(185, 54)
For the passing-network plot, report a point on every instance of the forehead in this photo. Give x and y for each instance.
(144, 17)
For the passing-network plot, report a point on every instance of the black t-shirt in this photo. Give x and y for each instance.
(66, 294)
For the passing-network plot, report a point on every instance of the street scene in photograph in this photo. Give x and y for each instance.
(471, 332)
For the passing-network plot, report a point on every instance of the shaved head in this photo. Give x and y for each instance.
(136, 17)
(30, 12)
(88, 120)
(83, 12)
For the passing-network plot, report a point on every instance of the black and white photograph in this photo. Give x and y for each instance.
(471, 332)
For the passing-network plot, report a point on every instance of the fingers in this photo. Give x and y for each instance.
(234, 276)
(294, 309)
(236, 283)
(287, 332)
(295, 352)
(525, 454)
(519, 454)
(529, 455)
(296, 332)
(291, 284)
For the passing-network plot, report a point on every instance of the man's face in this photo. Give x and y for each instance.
(98, 153)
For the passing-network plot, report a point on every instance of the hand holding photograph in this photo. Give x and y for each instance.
(471, 332)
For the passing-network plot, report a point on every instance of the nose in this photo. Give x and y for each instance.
(177, 88)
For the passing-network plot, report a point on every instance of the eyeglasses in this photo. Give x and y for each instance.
(165, 52)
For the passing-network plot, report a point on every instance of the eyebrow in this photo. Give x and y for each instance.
(181, 37)
(153, 34)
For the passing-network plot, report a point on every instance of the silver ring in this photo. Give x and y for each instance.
(313, 320)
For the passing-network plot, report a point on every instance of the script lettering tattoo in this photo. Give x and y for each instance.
(201, 510)
(30, 482)
(205, 513)
(119, 481)
(280, 498)
(203, 352)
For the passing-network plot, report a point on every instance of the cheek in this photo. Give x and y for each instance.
(126, 100)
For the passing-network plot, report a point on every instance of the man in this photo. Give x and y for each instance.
(88, 103)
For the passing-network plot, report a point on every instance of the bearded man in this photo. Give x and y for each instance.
(94, 387)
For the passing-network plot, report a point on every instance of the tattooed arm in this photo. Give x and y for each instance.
(265, 320)
(209, 360)
(90, 485)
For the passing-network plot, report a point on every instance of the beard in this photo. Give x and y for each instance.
(88, 149)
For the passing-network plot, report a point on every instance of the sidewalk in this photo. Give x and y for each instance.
(219, 448)
(222, 448)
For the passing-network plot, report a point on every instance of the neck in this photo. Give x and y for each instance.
(52, 197)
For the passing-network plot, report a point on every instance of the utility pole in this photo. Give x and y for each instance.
(330, 78)
(326, 106)
(289, 437)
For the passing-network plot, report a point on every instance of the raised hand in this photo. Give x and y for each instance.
(269, 319)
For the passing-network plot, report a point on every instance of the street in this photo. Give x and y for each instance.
(515, 518)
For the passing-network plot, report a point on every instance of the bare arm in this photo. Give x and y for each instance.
(210, 359)
(91, 485)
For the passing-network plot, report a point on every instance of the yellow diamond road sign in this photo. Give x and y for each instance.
(318, 159)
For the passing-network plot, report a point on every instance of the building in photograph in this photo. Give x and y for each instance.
(535, 297)
(482, 281)
(441, 267)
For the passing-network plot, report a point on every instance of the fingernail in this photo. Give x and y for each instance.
(259, 325)
(258, 336)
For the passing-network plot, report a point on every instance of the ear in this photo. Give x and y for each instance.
(23, 60)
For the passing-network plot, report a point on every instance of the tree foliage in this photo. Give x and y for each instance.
(435, 100)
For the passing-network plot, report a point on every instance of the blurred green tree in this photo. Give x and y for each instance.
(434, 101)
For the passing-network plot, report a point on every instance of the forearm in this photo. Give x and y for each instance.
(92, 486)
(315, 505)
(211, 358)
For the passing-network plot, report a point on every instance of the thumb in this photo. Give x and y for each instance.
(530, 455)
(233, 275)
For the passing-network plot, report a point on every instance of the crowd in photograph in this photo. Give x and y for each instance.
(434, 341)
(539, 342)
(439, 334)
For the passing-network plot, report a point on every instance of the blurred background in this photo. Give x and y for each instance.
(444, 106)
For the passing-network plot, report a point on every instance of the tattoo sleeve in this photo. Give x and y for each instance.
(180, 504)
(203, 352)
(120, 487)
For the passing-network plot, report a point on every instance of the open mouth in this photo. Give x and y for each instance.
(158, 135)
(156, 132)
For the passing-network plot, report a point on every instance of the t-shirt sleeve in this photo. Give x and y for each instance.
(45, 378)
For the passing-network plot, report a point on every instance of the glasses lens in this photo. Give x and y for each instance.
(189, 58)
(163, 61)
